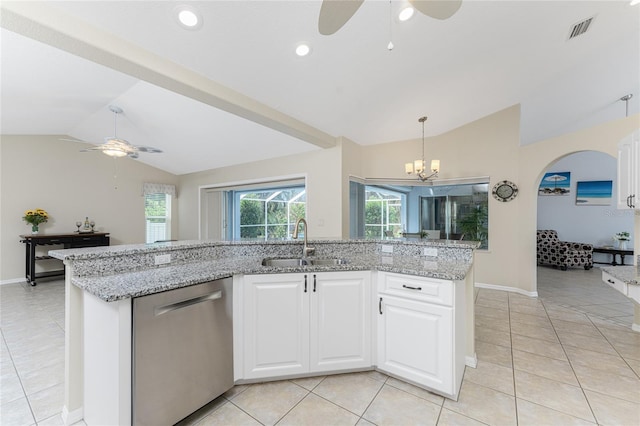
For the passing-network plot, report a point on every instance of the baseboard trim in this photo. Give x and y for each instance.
(13, 281)
(71, 417)
(506, 288)
(471, 361)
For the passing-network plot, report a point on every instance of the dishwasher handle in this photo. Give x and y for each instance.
(159, 310)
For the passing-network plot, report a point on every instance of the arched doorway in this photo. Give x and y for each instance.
(580, 218)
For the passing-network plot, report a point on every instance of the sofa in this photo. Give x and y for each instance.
(562, 254)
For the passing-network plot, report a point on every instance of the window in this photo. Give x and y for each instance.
(460, 212)
(376, 211)
(388, 209)
(267, 214)
(157, 211)
(383, 213)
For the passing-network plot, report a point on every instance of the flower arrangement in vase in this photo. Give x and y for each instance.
(622, 238)
(35, 218)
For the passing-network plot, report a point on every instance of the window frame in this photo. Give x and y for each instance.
(167, 217)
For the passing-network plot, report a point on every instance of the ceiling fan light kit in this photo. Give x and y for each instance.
(116, 147)
(406, 13)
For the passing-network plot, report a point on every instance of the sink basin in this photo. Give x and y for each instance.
(328, 262)
(294, 262)
(284, 263)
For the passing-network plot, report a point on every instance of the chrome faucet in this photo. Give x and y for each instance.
(306, 250)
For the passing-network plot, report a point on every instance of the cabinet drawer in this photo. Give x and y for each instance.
(49, 241)
(619, 285)
(88, 241)
(430, 290)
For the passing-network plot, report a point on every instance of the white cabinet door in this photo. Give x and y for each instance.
(276, 325)
(415, 342)
(340, 320)
(628, 193)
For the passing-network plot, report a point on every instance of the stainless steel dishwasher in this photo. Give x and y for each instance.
(182, 351)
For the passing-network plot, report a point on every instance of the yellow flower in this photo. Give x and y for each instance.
(35, 217)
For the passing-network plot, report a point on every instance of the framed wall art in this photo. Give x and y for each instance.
(555, 183)
(594, 193)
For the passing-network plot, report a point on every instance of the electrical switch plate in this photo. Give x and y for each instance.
(430, 251)
(161, 259)
(386, 248)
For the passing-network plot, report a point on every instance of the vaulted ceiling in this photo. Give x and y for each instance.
(233, 90)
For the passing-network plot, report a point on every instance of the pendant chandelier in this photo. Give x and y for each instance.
(418, 166)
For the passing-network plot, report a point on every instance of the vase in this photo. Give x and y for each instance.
(622, 244)
(34, 229)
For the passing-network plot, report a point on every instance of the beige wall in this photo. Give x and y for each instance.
(71, 185)
(323, 170)
(491, 147)
(486, 147)
(44, 172)
(535, 159)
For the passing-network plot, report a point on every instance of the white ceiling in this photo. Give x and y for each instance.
(488, 56)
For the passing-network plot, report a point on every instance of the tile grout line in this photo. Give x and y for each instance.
(513, 363)
(24, 392)
(571, 365)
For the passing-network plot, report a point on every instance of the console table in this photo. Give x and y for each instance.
(613, 252)
(75, 240)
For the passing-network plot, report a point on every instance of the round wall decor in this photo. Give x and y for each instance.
(504, 191)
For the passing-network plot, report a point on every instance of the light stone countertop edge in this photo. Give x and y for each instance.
(116, 287)
(628, 274)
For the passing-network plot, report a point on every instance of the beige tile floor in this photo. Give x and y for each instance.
(566, 358)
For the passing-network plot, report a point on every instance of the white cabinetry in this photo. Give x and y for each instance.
(628, 172)
(632, 291)
(420, 334)
(292, 324)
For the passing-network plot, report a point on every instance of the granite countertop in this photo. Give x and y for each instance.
(628, 274)
(139, 283)
(133, 249)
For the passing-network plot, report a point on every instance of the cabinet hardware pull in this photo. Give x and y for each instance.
(380, 306)
(411, 288)
(611, 281)
(631, 203)
(314, 283)
(305, 283)
(159, 310)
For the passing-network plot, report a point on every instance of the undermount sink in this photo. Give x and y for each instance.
(293, 262)
(284, 262)
(328, 262)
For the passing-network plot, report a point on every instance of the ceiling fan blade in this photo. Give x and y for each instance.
(335, 13)
(132, 155)
(149, 149)
(438, 9)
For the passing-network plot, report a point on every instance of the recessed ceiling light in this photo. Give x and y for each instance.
(634, 2)
(406, 13)
(188, 17)
(303, 49)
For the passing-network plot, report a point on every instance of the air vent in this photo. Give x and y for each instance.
(580, 28)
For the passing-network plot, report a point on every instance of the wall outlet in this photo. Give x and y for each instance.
(430, 251)
(386, 248)
(161, 259)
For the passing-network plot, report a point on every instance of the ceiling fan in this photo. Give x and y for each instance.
(335, 13)
(116, 147)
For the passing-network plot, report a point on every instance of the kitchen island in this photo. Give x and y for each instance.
(626, 280)
(101, 282)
